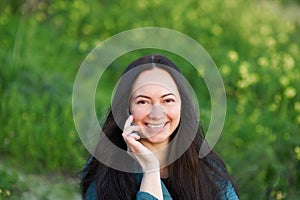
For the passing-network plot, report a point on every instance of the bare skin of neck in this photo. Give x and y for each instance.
(161, 153)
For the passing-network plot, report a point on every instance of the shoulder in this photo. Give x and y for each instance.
(222, 179)
(144, 196)
(91, 192)
(227, 191)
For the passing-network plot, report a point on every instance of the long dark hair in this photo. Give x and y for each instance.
(190, 177)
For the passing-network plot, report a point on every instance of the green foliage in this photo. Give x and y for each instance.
(255, 44)
(9, 189)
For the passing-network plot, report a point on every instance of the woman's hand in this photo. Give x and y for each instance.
(147, 159)
(143, 155)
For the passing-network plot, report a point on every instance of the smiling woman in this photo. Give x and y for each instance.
(153, 120)
(155, 105)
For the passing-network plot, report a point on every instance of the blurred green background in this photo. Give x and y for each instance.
(255, 44)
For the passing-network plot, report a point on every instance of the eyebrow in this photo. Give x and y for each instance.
(168, 95)
(147, 97)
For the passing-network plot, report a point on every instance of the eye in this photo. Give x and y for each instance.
(142, 102)
(169, 100)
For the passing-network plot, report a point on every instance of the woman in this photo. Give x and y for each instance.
(153, 118)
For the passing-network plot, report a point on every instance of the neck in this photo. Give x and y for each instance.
(161, 153)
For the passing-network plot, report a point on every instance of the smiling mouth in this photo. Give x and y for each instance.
(155, 126)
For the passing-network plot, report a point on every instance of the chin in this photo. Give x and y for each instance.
(157, 139)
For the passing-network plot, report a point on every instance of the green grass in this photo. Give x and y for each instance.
(16, 184)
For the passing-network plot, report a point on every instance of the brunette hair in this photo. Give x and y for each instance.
(190, 177)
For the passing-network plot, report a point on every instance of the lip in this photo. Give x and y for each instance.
(154, 128)
(156, 125)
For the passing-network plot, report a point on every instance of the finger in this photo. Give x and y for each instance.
(130, 136)
(135, 145)
(132, 129)
(132, 140)
(128, 122)
(130, 147)
(135, 135)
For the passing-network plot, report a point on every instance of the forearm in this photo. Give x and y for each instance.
(151, 184)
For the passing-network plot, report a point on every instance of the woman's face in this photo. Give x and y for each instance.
(155, 105)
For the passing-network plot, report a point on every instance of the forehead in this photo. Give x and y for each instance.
(155, 77)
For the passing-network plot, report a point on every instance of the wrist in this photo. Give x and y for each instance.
(152, 167)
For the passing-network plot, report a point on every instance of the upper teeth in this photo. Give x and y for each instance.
(155, 125)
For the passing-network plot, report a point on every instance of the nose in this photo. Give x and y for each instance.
(156, 112)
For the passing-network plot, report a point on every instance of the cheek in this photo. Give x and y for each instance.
(139, 114)
(174, 115)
